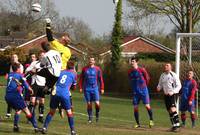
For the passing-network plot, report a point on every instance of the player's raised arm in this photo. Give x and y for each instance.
(48, 30)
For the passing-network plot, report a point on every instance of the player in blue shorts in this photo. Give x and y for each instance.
(189, 90)
(139, 80)
(60, 95)
(90, 80)
(14, 96)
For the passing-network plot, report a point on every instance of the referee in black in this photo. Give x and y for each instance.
(171, 85)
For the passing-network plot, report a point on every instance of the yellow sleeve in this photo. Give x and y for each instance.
(63, 50)
(66, 54)
(55, 45)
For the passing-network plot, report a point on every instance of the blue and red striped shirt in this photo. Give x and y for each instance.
(66, 79)
(91, 78)
(15, 83)
(189, 89)
(139, 78)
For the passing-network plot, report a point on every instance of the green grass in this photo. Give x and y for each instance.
(2, 80)
(116, 119)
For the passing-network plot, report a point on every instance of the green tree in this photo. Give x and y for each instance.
(117, 36)
(178, 11)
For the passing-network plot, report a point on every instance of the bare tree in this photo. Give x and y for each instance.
(65, 24)
(20, 13)
(78, 29)
(148, 25)
(178, 11)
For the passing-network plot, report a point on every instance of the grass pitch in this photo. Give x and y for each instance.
(116, 119)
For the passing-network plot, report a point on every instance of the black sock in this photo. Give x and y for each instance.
(150, 113)
(31, 107)
(97, 111)
(41, 110)
(176, 119)
(171, 118)
(136, 114)
(9, 109)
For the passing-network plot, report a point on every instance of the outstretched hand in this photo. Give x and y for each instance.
(48, 20)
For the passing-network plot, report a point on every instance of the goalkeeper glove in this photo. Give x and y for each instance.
(48, 21)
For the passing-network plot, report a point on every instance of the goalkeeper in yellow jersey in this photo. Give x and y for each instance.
(59, 45)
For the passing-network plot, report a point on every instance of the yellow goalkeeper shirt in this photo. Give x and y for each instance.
(64, 51)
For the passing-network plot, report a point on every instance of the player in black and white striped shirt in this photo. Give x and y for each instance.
(51, 65)
(171, 85)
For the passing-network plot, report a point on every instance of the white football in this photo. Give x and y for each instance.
(36, 7)
(115, 1)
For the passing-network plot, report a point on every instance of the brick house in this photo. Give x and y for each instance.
(79, 51)
(137, 44)
(35, 44)
(8, 42)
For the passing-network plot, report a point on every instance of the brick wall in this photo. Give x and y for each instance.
(33, 45)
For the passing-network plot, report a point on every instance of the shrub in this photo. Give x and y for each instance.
(117, 83)
(5, 59)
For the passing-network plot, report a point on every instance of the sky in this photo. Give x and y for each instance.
(98, 14)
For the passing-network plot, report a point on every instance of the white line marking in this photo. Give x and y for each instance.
(102, 117)
(106, 118)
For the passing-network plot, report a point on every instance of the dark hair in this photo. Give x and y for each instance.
(66, 34)
(91, 56)
(41, 51)
(135, 58)
(70, 65)
(189, 70)
(15, 66)
(32, 54)
(45, 46)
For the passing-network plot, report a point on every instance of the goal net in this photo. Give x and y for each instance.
(188, 57)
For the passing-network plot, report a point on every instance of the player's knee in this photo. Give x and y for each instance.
(135, 108)
(69, 113)
(17, 112)
(28, 115)
(97, 102)
(173, 109)
(97, 105)
(148, 107)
